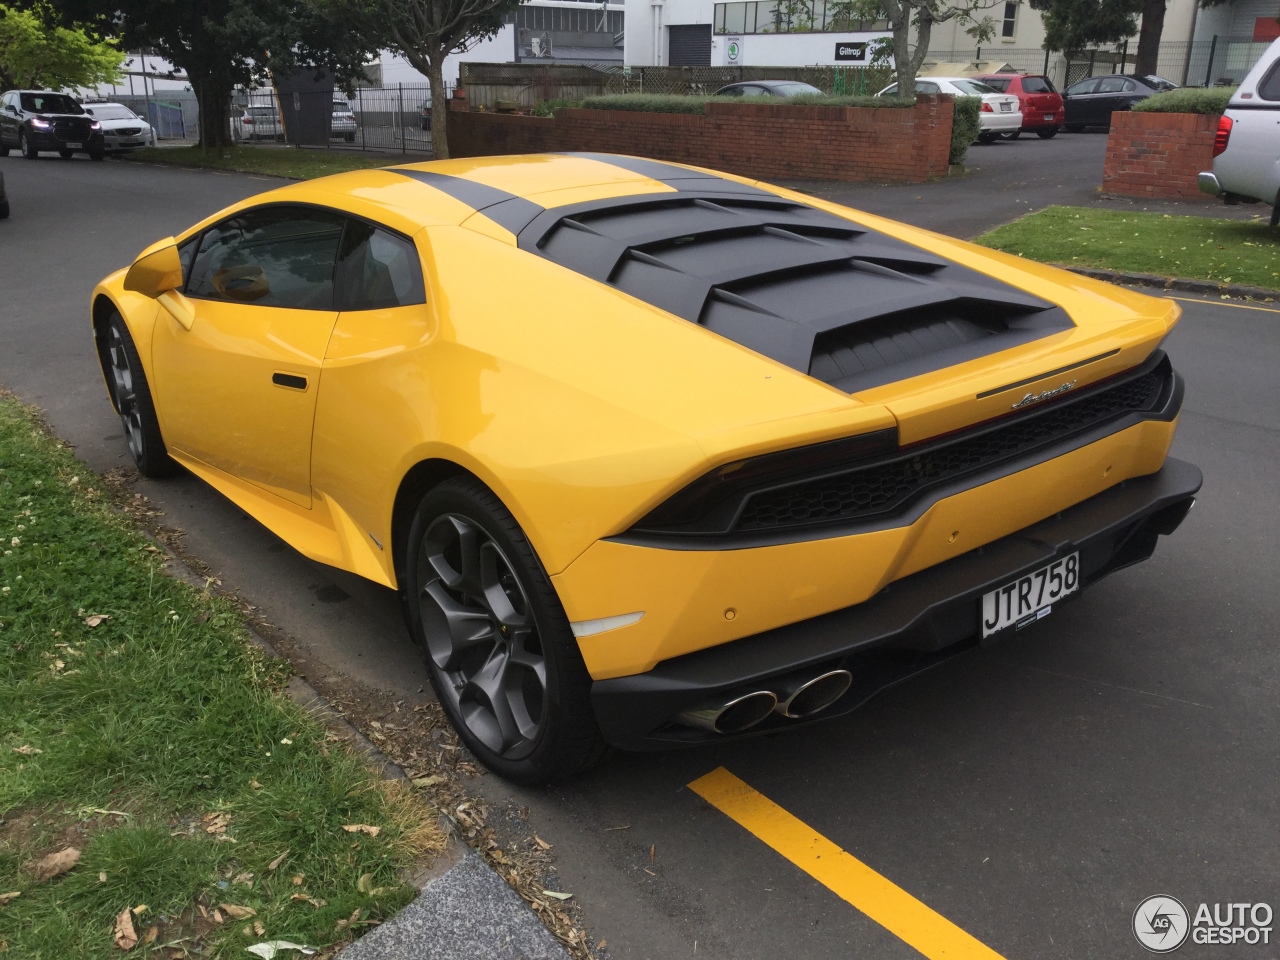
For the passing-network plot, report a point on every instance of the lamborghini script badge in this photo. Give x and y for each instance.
(1031, 398)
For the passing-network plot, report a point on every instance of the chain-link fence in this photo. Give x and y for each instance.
(395, 118)
(172, 116)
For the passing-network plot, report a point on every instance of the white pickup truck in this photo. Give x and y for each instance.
(1246, 150)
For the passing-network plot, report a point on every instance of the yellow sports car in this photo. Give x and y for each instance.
(654, 455)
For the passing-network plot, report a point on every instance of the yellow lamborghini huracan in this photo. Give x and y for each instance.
(654, 455)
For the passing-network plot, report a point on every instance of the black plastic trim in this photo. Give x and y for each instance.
(679, 178)
(910, 626)
(290, 380)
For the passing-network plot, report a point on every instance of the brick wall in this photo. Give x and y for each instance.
(764, 141)
(1158, 155)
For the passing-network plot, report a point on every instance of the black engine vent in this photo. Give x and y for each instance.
(847, 305)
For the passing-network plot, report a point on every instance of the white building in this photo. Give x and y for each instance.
(753, 33)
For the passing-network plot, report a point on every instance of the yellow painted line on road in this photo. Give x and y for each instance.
(842, 873)
(1221, 303)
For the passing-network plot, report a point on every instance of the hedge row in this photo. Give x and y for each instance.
(1187, 100)
(965, 126)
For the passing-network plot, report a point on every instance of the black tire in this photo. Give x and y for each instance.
(66, 154)
(986, 137)
(97, 154)
(4, 209)
(25, 147)
(1073, 127)
(4, 151)
(351, 138)
(502, 659)
(1011, 135)
(131, 396)
(1047, 133)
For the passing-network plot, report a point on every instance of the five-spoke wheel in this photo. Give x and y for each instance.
(132, 397)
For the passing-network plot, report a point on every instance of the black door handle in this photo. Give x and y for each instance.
(290, 380)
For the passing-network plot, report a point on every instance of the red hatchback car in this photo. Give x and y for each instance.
(1042, 110)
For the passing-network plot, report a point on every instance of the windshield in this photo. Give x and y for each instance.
(341, 106)
(1158, 83)
(49, 103)
(973, 88)
(111, 111)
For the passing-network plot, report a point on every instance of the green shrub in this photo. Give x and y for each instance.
(965, 126)
(548, 108)
(665, 103)
(1187, 100)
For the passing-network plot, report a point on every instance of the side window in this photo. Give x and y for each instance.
(1081, 88)
(376, 269)
(890, 91)
(271, 257)
(998, 83)
(1269, 85)
(1130, 87)
(924, 87)
(1111, 85)
(186, 254)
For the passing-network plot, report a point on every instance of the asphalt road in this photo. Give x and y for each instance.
(1032, 793)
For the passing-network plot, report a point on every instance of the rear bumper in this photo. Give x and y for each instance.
(908, 627)
(1208, 183)
(1000, 122)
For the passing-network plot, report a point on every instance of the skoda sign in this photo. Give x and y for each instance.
(732, 51)
(847, 50)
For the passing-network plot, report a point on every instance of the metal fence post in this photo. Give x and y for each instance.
(400, 87)
(360, 101)
(1208, 71)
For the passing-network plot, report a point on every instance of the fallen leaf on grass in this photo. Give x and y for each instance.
(431, 781)
(557, 894)
(95, 619)
(55, 864)
(268, 949)
(149, 937)
(541, 843)
(277, 861)
(237, 912)
(139, 909)
(126, 936)
(27, 751)
(259, 929)
(9, 897)
(244, 879)
(215, 823)
(307, 898)
(361, 828)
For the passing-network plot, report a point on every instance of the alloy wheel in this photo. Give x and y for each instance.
(481, 636)
(125, 393)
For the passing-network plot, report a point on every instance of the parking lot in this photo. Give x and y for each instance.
(1022, 799)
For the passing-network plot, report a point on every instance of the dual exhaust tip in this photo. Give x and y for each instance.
(792, 697)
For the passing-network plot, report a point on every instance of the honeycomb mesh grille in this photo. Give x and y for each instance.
(890, 487)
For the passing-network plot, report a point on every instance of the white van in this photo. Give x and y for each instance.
(1246, 150)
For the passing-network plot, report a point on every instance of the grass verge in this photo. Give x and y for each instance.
(289, 162)
(1196, 248)
(139, 728)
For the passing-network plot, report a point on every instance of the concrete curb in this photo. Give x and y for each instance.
(1175, 283)
(464, 909)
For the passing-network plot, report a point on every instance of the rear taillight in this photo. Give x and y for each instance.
(986, 108)
(248, 120)
(1223, 135)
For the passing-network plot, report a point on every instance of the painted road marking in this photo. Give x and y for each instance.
(1220, 303)
(845, 875)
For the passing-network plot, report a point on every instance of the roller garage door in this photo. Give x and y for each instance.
(689, 45)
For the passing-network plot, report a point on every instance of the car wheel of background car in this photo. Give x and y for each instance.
(1073, 127)
(132, 398)
(66, 154)
(986, 137)
(1047, 134)
(502, 659)
(24, 145)
(4, 151)
(1275, 211)
(97, 154)
(1011, 134)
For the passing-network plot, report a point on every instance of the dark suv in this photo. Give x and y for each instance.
(36, 120)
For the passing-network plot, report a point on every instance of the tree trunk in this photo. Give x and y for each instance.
(439, 108)
(214, 100)
(900, 21)
(1149, 38)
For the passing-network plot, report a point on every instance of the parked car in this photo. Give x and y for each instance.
(650, 488)
(768, 88)
(424, 114)
(122, 129)
(1000, 111)
(1091, 102)
(258, 121)
(1040, 103)
(36, 121)
(1246, 149)
(344, 121)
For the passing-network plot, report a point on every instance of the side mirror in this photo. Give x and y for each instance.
(156, 270)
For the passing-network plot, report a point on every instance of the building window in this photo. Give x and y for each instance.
(789, 16)
(1010, 23)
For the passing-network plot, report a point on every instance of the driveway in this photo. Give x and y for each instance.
(1026, 796)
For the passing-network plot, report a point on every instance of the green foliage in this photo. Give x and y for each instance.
(663, 103)
(124, 734)
(548, 108)
(291, 164)
(1187, 100)
(1076, 24)
(1200, 248)
(34, 55)
(965, 126)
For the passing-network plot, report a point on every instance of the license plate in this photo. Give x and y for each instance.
(1028, 599)
(74, 146)
(1049, 116)
(1006, 107)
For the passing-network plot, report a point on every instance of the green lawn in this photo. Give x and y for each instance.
(1226, 251)
(291, 162)
(141, 729)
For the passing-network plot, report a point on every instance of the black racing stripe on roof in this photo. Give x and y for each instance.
(681, 178)
(506, 209)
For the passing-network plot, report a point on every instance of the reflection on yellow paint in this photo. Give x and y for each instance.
(845, 875)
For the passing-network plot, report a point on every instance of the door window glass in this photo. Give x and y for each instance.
(376, 269)
(1130, 87)
(271, 257)
(1111, 85)
(922, 87)
(1082, 88)
(1269, 86)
